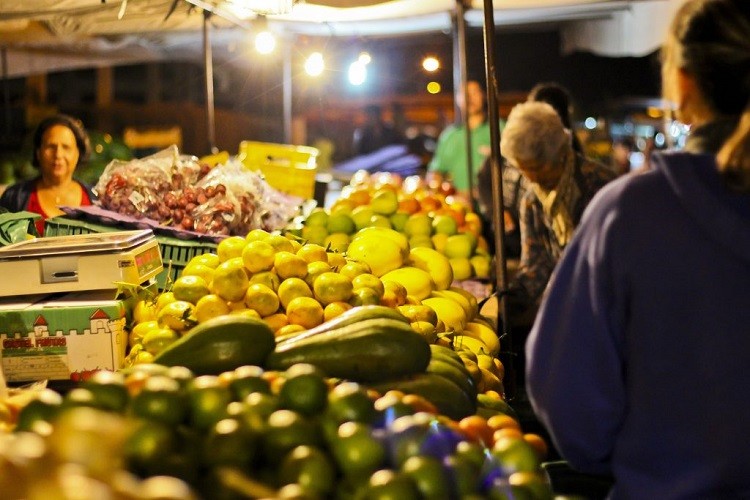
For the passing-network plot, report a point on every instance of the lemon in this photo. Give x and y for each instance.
(462, 269)
(338, 242)
(332, 287)
(435, 263)
(230, 280)
(190, 288)
(420, 242)
(315, 269)
(258, 256)
(426, 330)
(305, 311)
(280, 243)
(460, 246)
(419, 313)
(367, 280)
(268, 278)
(198, 269)
(448, 311)
(384, 202)
(288, 265)
(481, 265)
(418, 224)
(231, 247)
(318, 217)
(311, 252)
(340, 222)
(291, 288)
(262, 299)
(314, 234)
(210, 306)
(418, 283)
(381, 254)
(361, 216)
(378, 220)
(335, 309)
(177, 315)
(144, 310)
(207, 259)
(384, 232)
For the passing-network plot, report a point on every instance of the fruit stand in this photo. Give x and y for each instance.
(340, 353)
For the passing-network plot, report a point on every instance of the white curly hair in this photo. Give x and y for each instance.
(533, 133)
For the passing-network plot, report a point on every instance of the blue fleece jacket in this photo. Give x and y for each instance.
(639, 360)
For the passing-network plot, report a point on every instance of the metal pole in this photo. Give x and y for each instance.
(209, 70)
(461, 33)
(497, 188)
(6, 92)
(287, 89)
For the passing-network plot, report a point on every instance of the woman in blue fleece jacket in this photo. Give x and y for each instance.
(639, 360)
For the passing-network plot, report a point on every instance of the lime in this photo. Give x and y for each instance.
(318, 217)
(462, 474)
(314, 234)
(310, 468)
(229, 443)
(148, 446)
(444, 224)
(287, 429)
(390, 485)
(160, 400)
(428, 475)
(460, 246)
(247, 380)
(109, 390)
(207, 400)
(157, 340)
(515, 455)
(349, 401)
(304, 391)
(340, 222)
(43, 407)
(356, 451)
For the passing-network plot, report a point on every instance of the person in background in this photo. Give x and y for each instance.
(647, 315)
(60, 144)
(622, 148)
(450, 158)
(561, 184)
(558, 97)
(375, 133)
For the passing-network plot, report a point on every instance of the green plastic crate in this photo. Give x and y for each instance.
(175, 253)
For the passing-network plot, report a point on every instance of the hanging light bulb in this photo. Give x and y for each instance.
(314, 65)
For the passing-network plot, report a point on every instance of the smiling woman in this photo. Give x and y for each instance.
(60, 143)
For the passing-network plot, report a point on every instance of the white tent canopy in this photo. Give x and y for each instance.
(50, 35)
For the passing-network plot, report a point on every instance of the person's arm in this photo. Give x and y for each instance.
(575, 362)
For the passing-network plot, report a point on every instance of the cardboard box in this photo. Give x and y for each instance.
(62, 336)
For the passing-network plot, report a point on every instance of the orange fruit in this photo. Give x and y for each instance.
(210, 306)
(261, 299)
(335, 309)
(276, 321)
(258, 256)
(291, 288)
(313, 253)
(332, 287)
(190, 288)
(538, 443)
(231, 247)
(305, 311)
(288, 265)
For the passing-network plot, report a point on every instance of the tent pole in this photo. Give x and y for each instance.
(209, 71)
(501, 269)
(6, 92)
(462, 87)
(287, 89)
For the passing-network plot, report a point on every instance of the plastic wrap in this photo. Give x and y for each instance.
(178, 191)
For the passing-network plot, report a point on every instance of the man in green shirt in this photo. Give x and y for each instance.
(449, 161)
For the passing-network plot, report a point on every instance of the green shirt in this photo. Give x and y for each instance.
(450, 153)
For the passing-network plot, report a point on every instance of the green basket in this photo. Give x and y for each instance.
(175, 253)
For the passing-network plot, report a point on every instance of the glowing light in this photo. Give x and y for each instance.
(265, 42)
(269, 6)
(434, 88)
(314, 65)
(431, 64)
(590, 123)
(357, 73)
(364, 58)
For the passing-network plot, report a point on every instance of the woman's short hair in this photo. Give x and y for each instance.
(75, 126)
(533, 133)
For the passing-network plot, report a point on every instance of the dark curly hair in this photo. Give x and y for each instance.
(75, 126)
